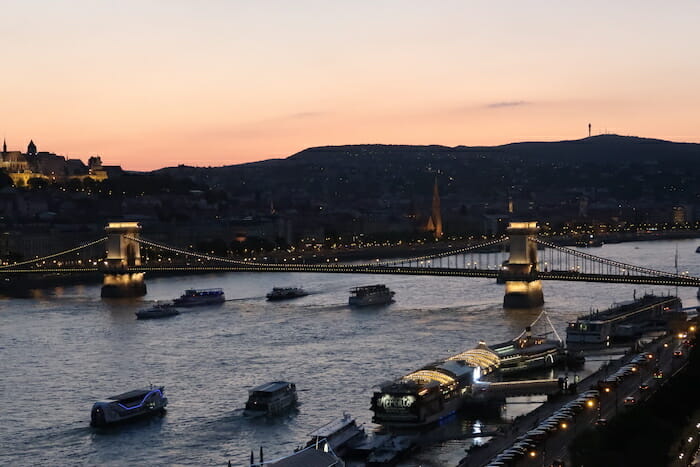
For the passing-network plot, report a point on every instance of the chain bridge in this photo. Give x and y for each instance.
(520, 260)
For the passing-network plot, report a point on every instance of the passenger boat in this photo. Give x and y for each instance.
(371, 295)
(128, 406)
(158, 310)
(444, 387)
(623, 321)
(339, 435)
(528, 351)
(271, 398)
(286, 293)
(197, 297)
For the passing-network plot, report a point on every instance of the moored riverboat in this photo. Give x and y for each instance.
(531, 350)
(128, 406)
(442, 388)
(339, 435)
(199, 297)
(623, 321)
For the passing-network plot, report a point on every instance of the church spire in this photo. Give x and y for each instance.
(435, 220)
(4, 146)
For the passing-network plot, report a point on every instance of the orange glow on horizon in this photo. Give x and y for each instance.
(225, 83)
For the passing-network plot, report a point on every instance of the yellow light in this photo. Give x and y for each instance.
(564, 425)
(590, 403)
(533, 453)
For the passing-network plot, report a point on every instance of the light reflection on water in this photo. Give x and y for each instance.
(62, 351)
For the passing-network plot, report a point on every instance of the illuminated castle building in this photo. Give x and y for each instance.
(21, 167)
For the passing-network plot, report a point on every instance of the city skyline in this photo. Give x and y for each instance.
(168, 83)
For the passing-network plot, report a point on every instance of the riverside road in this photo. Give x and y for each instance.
(608, 405)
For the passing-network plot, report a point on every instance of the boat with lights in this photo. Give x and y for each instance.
(197, 297)
(369, 295)
(530, 351)
(128, 406)
(433, 392)
(623, 320)
(286, 293)
(271, 399)
(444, 387)
(158, 310)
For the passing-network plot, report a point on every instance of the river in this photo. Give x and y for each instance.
(66, 348)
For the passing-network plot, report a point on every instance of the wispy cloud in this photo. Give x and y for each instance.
(499, 105)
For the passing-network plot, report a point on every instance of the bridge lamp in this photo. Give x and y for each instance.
(564, 425)
(532, 454)
(590, 403)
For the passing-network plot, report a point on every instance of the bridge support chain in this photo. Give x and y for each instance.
(123, 252)
(519, 273)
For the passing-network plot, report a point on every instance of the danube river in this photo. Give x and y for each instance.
(67, 348)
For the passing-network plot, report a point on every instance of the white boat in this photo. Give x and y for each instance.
(128, 406)
(286, 293)
(158, 310)
(340, 435)
(371, 295)
(197, 297)
(271, 398)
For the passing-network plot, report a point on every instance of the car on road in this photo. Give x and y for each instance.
(644, 387)
(658, 374)
(677, 354)
(629, 400)
(602, 422)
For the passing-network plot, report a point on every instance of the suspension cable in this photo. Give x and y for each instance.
(443, 254)
(610, 262)
(43, 258)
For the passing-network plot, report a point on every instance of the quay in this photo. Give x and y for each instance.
(552, 449)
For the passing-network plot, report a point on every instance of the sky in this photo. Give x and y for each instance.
(154, 83)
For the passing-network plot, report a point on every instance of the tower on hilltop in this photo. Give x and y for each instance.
(31, 148)
(435, 221)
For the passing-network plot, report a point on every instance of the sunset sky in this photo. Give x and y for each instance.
(153, 83)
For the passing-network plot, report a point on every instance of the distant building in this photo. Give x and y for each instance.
(48, 166)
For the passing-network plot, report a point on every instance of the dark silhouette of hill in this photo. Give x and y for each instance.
(625, 167)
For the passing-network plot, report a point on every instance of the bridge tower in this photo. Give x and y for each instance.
(523, 289)
(123, 253)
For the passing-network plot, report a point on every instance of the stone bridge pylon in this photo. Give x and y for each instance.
(123, 253)
(523, 288)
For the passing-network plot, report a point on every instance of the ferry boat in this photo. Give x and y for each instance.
(158, 310)
(128, 406)
(339, 435)
(271, 398)
(286, 293)
(197, 297)
(371, 295)
(623, 321)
